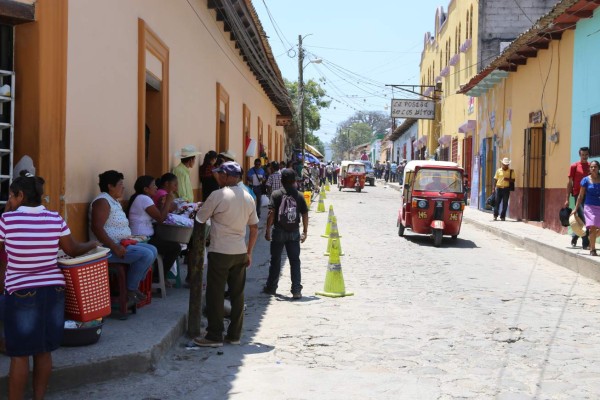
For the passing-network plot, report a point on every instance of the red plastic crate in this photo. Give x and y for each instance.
(87, 292)
(146, 288)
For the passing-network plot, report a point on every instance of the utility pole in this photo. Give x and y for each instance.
(301, 96)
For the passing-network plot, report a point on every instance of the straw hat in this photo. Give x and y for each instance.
(577, 225)
(506, 161)
(230, 155)
(188, 151)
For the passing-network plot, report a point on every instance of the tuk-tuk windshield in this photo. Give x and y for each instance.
(356, 168)
(442, 180)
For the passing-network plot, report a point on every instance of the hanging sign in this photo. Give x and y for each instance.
(417, 109)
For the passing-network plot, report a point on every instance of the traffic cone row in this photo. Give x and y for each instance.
(322, 194)
(327, 188)
(334, 279)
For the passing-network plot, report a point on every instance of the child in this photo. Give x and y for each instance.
(167, 184)
(35, 286)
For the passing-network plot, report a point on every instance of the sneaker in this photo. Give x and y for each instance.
(502, 219)
(267, 290)
(495, 218)
(233, 342)
(204, 342)
(296, 296)
(574, 241)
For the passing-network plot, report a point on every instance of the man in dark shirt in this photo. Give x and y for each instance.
(577, 172)
(286, 234)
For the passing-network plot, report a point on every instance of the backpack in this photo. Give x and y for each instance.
(288, 213)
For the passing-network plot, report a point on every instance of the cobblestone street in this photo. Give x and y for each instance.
(477, 318)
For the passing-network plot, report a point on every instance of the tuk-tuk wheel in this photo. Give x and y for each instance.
(339, 188)
(454, 237)
(358, 189)
(400, 230)
(437, 237)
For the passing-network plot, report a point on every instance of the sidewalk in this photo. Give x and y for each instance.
(132, 345)
(543, 242)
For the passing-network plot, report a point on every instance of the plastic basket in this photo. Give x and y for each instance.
(146, 288)
(173, 233)
(87, 292)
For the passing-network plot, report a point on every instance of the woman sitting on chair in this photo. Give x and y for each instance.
(142, 213)
(109, 225)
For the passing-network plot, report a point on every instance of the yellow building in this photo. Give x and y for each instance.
(466, 36)
(524, 113)
(124, 85)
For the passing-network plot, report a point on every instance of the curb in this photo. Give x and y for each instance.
(584, 266)
(92, 371)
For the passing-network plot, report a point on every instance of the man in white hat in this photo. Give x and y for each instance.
(502, 182)
(187, 156)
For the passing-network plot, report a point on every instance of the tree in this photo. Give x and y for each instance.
(350, 136)
(314, 101)
(377, 120)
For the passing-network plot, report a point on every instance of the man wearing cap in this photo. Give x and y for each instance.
(182, 171)
(286, 236)
(577, 172)
(502, 181)
(230, 210)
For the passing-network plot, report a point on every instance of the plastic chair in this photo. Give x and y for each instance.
(119, 274)
(161, 285)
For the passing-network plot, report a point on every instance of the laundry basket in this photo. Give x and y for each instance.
(87, 292)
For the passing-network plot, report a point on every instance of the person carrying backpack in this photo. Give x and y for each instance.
(286, 207)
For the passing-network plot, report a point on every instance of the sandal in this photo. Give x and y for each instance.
(593, 252)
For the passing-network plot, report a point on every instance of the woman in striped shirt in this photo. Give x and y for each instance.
(34, 286)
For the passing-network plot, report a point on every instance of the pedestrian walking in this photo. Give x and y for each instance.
(577, 172)
(35, 286)
(589, 196)
(255, 179)
(274, 180)
(230, 210)
(393, 171)
(502, 182)
(286, 208)
(386, 171)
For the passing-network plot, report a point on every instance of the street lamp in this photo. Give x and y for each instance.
(301, 90)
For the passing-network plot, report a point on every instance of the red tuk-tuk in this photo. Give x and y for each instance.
(352, 175)
(432, 199)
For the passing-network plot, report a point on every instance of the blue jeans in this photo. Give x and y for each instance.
(140, 258)
(291, 242)
(502, 195)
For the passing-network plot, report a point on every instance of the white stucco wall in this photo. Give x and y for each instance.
(101, 130)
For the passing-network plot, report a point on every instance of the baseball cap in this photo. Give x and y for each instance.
(230, 168)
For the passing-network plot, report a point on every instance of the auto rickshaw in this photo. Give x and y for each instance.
(432, 199)
(352, 176)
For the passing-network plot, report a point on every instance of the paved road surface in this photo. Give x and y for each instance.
(475, 319)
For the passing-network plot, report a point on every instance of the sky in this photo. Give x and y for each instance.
(363, 45)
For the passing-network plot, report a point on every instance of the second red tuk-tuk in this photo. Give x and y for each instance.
(352, 175)
(432, 200)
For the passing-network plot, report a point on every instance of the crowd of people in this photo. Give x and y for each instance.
(390, 171)
(34, 285)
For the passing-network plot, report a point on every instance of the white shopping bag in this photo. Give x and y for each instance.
(264, 201)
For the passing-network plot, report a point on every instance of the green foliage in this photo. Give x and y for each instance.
(351, 136)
